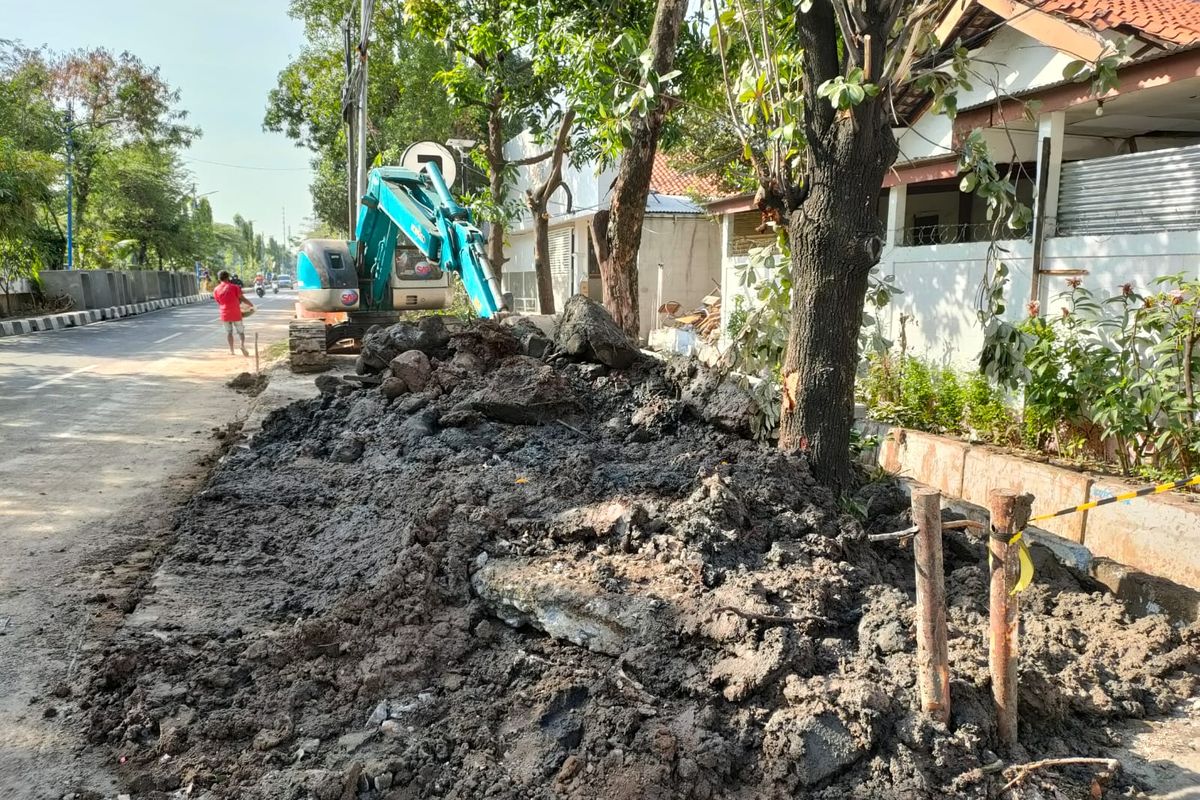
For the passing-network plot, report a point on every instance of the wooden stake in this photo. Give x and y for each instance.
(256, 369)
(933, 663)
(1005, 568)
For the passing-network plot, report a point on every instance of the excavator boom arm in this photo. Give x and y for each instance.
(419, 207)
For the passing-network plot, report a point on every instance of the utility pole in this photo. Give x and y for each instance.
(366, 10)
(349, 116)
(70, 192)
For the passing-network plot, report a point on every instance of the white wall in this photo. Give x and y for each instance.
(941, 282)
(941, 285)
(1011, 61)
(588, 187)
(689, 248)
(1115, 260)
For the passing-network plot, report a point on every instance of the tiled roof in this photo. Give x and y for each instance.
(1173, 22)
(665, 179)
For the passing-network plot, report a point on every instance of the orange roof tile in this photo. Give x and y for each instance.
(665, 179)
(1174, 22)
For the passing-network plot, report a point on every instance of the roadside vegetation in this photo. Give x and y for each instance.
(114, 127)
(1106, 381)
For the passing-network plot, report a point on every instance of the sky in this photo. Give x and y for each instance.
(223, 56)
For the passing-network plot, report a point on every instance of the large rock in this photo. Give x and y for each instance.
(586, 330)
(534, 343)
(381, 345)
(412, 367)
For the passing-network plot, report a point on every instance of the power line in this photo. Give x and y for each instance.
(246, 166)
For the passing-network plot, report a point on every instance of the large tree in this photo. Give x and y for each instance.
(809, 88)
(617, 232)
(142, 199)
(112, 100)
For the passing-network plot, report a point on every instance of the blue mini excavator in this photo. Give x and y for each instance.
(410, 236)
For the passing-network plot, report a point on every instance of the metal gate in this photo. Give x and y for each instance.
(562, 257)
(1135, 193)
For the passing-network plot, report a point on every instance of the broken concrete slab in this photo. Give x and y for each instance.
(521, 592)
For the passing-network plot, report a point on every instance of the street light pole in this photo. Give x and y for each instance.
(70, 198)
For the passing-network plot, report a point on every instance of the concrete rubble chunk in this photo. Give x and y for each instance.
(587, 331)
(520, 592)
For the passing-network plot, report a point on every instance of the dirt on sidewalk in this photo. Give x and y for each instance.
(497, 575)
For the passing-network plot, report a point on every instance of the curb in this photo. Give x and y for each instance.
(77, 319)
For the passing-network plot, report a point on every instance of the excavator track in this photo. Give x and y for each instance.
(306, 346)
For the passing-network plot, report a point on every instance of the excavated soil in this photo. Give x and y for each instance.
(552, 580)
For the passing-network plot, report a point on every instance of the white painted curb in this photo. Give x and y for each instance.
(76, 319)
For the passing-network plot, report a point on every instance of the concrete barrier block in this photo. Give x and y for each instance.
(933, 460)
(1052, 487)
(1159, 535)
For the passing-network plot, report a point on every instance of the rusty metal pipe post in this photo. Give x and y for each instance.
(1005, 568)
(933, 662)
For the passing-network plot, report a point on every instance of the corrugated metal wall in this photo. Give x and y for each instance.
(562, 252)
(1136, 193)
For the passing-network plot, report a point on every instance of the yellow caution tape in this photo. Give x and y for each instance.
(1019, 539)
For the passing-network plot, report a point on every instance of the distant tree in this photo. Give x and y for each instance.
(112, 101)
(141, 198)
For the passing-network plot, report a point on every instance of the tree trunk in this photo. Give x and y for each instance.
(628, 208)
(494, 153)
(538, 199)
(541, 262)
(836, 238)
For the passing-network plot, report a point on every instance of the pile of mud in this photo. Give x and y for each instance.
(501, 576)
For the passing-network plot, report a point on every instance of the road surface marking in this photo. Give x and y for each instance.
(169, 338)
(62, 377)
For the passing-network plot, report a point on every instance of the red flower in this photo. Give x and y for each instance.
(1127, 289)
(1074, 283)
(1176, 296)
(1034, 308)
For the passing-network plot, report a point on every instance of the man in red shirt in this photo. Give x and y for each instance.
(230, 299)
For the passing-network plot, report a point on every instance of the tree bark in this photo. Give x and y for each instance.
(494, 152)
(538, 199)
(836, 237)
(628, 209)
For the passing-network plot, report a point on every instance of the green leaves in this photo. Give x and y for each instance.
(846, 92)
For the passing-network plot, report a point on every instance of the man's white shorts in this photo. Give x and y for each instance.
(230, 327)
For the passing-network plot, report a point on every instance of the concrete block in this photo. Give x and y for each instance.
(69, 282)
(6, 329)
(1052, 487)
(95, 315)
(933, 460)
(1159, 535)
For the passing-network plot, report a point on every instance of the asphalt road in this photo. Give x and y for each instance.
(96, 426)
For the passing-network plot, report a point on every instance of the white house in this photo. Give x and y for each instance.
(1114, 181)
(679, 257)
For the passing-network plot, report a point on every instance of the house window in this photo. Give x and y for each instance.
(523, 286)
(926, 230)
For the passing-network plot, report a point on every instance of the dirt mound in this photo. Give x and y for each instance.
(248, 383)
(532, 580)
